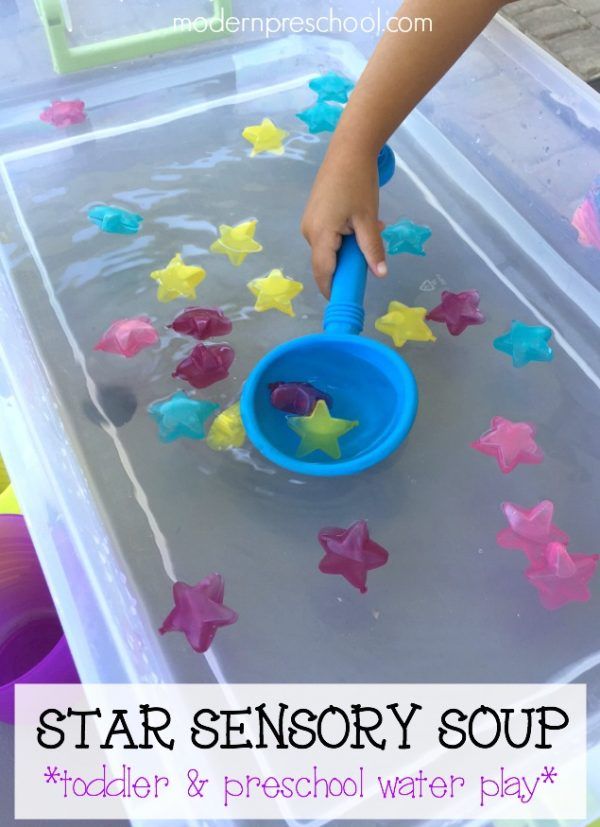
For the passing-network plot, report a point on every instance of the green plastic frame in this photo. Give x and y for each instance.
(67, 58)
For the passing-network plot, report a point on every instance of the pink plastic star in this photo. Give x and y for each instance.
(458, 311)
(511, 443)
(64, 113)
(530, 530)
(126, 337)
(351, 553)
(199, 612)
(562, 578)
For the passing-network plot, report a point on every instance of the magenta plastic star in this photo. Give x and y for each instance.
(126, 337)
(199, 612)
(351, 553)
(511, 443)
(458, 311)
(202, 322)
(530, 530)
(562, 578)
(205, 365)
(64, 113)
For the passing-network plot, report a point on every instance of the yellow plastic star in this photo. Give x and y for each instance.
(275, 292)
(227, 430)
(265, 137)
(8, 502)
(236, 242)
(4, 478)
(405, 324)
(177, 280)
(320, 431)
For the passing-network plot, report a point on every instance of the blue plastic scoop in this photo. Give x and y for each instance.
(368, 382)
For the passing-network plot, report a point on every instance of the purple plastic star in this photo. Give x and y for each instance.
(351, 553)
(205, 365)
(297, 398)
(201, 322)
(199, 611)
(530, 530)
(562, 578)
(458, 311)
(510, 443)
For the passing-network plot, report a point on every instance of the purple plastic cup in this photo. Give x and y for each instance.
(33, 648)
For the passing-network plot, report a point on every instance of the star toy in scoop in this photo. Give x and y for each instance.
(405, 237)
(236, 242)
(404, 324)
(177, 280)
(115, 220)
(180, 417)
(64, 113)
(127, 337)
(530, 530)
(227, 430)
(320, 431)
(526, 343)
(511, 443)
(562, 578)
(322, 117)
(332, 87)
(351, 553)
(457, 311)
(265, 137)
(275, 292)
(199, 612)
(201, 323)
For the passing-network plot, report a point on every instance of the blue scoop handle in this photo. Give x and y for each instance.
(345, 312)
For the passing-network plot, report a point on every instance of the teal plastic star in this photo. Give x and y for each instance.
(405, 237)
(526, 343)
(322, 117)
(115, 220)
(332, 87)
(180, 416)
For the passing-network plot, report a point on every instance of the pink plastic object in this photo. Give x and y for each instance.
(202, 322)
(297, 398)
(458, 311)
(511, 443)
(126, 337)
(33, 648)
(199, 612)
(530, 530)
(205, 365)
(351, 553)
(586, 218)
(562, 578)
(64, 113)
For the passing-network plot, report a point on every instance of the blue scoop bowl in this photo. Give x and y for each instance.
(367, 381)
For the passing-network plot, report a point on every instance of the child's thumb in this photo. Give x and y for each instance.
(368, 235)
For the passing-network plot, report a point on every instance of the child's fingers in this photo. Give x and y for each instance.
(368, 235)
(324, 256)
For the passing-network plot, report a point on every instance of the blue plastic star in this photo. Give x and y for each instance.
(406, 237)
(526, 343)
(181, 416)
(332, 87)
(115, 220)
(322, 117)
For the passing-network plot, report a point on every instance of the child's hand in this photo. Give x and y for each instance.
(344, 200)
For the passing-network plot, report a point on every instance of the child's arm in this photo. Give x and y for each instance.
(403, 68)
